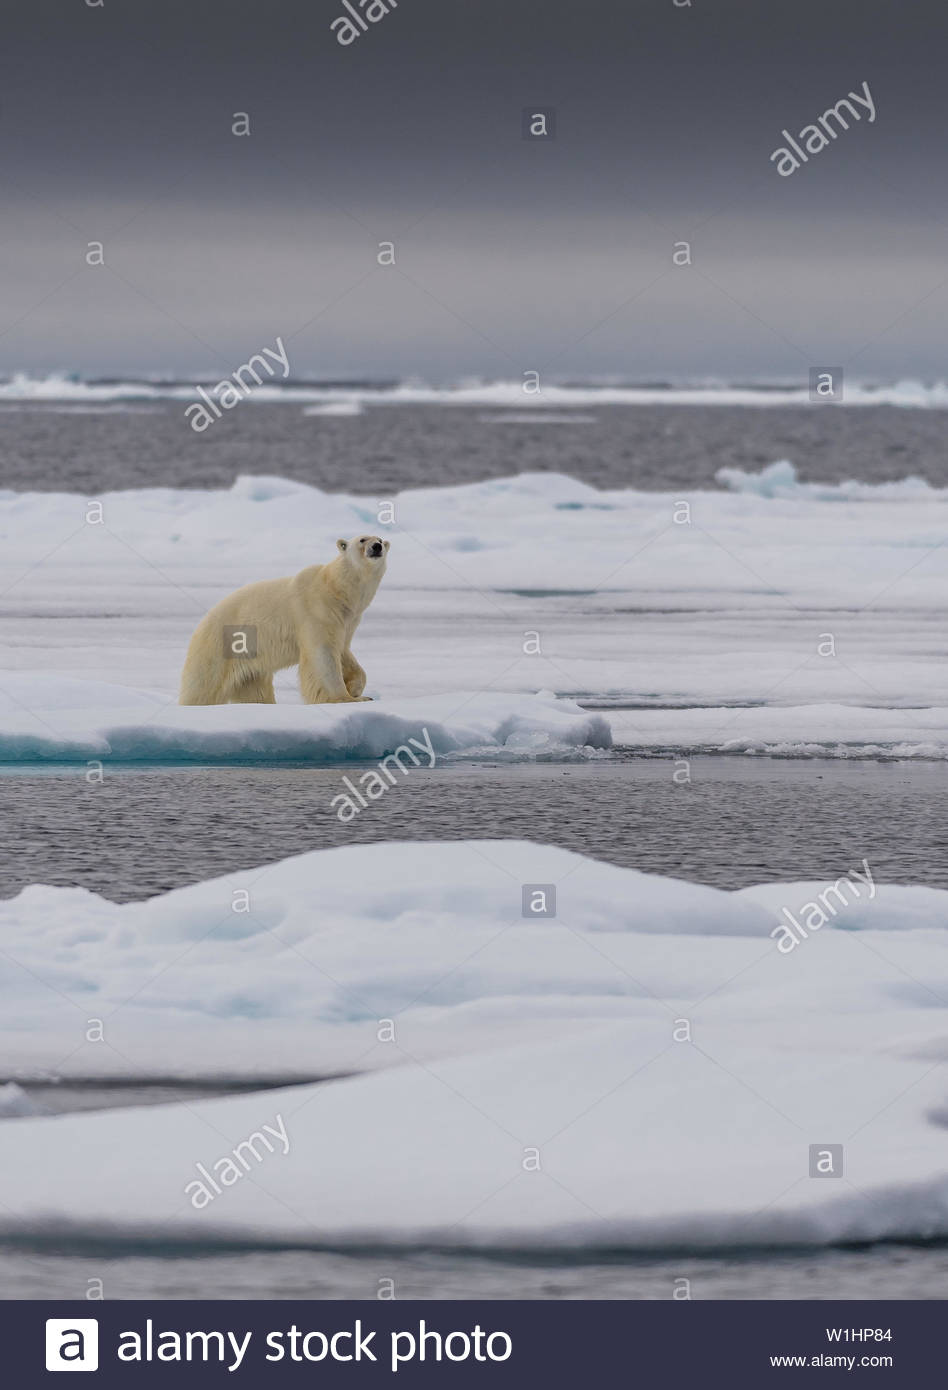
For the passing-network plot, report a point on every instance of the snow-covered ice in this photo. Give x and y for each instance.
(823, 603)
(643, 1069)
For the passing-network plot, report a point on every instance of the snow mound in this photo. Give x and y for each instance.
(43, 719)
(15, 1104)
(780, 480)
(645, 1068)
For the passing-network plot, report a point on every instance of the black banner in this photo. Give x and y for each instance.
(467, 1343)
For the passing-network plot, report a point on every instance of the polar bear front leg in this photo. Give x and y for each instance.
(321, 679)
(353, 675)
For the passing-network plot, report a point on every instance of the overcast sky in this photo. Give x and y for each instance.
(511, 255)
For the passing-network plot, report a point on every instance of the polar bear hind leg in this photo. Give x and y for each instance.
(208, 679)
(202, 682)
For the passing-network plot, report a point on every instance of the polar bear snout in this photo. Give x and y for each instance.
(364, 547)
(372, 547)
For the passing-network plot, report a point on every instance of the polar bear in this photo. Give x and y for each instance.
(306, 619)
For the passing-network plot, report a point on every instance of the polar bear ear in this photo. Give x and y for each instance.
(343, 545)
(387, 545)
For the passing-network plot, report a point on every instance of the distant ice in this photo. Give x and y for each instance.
(510, 393)
(335, 408)
(537, 417)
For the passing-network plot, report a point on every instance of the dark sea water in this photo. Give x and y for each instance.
(739, 821)
(388, 448)
(873, 1272)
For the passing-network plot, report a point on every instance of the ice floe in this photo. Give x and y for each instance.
(809, 599)
(643, 1069)
(49, 720)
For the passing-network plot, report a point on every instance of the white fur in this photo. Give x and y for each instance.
(307, 619)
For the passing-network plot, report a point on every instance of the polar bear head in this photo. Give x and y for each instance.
(365, 551)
